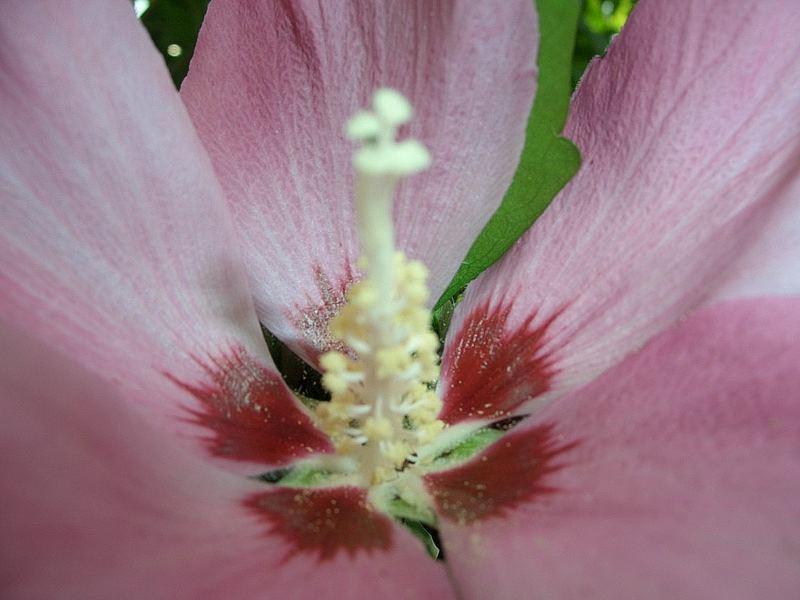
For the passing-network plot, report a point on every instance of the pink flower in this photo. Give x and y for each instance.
(649, 320)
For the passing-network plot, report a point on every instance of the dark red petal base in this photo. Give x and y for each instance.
(323, 521)
(489, 370)
(510, 472)
(250, 413)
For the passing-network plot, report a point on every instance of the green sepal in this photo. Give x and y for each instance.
(424, 535)
(420, 521)
(303, 476)
(307, 477)
(467, 447)
(402, 510)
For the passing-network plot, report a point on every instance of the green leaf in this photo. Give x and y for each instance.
(548, 161)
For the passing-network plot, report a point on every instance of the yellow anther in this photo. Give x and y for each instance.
(427, 342)
(416, 271)
(378, 428)
(428, 432)
(362, 295)
(397, 452)
(333, 361)
(334, 411)
(430, 399)
(344, 444)
(416, 318)
(391, 361)
(422, 414)
(416, 293)
(334, 383)
(382, 474)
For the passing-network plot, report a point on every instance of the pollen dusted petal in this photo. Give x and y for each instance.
(490, 368)
(324, 521)
(251, 414)
(312, 316)
(512, 471)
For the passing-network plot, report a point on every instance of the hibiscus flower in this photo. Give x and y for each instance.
(647, 325)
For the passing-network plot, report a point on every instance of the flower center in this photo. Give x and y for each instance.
(383, 406)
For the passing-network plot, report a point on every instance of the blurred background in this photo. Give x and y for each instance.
(173, 25)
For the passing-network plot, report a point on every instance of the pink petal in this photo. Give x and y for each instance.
(323, 522)
(687, 128)
(508, 474)
(769, 260)
(98, 504)
(672, 476)
(270, 89)
(117, 246)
